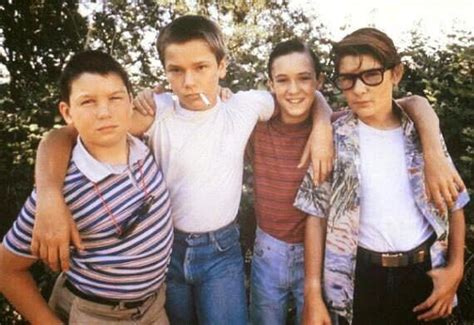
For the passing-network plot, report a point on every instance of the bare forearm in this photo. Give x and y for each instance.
(321, 111)
(426, 122)
(21, 291)
(315, 234)
(52, 158)
(456, 239)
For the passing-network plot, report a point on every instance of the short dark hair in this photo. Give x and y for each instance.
(188, 28)
(89, 61)
(292, 46)
(366, 41)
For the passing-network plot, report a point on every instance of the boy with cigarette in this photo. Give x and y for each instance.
(199, 143)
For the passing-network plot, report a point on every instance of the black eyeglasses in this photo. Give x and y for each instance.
(372, 77)
(137, 216)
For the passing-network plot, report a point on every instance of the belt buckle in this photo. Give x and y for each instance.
(391, 259)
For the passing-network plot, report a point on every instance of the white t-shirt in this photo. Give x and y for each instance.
(201, 154)
(390, 220)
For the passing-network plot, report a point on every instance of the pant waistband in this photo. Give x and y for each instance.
(105, 301)
(416, 255)
(202, 238)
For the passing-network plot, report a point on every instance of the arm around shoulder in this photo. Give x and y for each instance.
(53, 227)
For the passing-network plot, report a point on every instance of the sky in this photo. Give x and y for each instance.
(434, 18)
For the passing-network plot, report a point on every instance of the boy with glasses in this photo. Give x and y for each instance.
(391, 257)
(119, 202)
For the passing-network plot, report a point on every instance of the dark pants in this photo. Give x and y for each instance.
(387, 295)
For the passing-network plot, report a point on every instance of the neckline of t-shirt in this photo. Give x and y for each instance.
(380, 132)
(190, 114)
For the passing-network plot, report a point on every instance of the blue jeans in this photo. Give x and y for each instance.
(277, 274)
(205, 282)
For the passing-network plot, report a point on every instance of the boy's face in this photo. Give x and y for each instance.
(191, 69)
(100, 109)
(294, 83)
(369, 103)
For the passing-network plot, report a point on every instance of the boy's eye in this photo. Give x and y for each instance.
(281, 80)
(173, 70)
(87, 102)
(202, 67)
(117, 98)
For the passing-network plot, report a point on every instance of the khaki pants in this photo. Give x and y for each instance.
(74, 310)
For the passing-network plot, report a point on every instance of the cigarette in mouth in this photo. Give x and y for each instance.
(204, 99)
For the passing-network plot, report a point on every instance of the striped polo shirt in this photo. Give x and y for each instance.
(102, 198)
(276, 149)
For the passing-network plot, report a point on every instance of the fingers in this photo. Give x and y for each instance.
(75, 237)
(225, 93)
(144, 102)
(158, 89)
(459, 183)
(438, 201)
(453, 191)
(428, 303)
(323, 172)
(429, 197)
(35, 246)
(447, 196)
(43, 253)
(304, 157)
(439, 310)
(64, 257)
(316, 172)
(53, 260)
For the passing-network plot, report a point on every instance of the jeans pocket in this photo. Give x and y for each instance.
(227, 239)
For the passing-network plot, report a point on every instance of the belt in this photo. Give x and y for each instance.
(104, 301)
(418, 254)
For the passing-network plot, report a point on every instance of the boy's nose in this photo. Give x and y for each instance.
(293, 87)
(359, 87)
(103, 110)
(189, 79)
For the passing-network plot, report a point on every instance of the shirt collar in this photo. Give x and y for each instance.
(408, 127)
(95, 170)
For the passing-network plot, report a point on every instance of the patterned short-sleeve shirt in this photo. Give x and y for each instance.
(338, 200)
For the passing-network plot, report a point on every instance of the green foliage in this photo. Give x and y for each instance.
(37, 37)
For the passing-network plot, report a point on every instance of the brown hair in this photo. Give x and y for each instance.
(289, 47)
(191, 27)
(368, 41)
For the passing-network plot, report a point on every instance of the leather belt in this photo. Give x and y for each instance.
(104, 301)
(418, 254)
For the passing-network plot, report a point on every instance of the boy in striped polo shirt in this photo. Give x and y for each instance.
(120, 205)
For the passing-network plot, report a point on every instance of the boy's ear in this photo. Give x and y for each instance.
(320, 81)
(270, 85)
(222, 68)
(397, 74)
(65, 111)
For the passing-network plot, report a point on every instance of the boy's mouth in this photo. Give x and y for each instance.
(107, 128)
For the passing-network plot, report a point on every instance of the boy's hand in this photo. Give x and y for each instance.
(315, 313)
(321, 148)
(440, 303)
(225, 93)
(53, 231)
(144, 102)
(443, 182)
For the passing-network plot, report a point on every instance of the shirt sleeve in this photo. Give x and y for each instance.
(463, 197)
(164, 105)
(18, 239)
(311, 199)
(258, 101)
